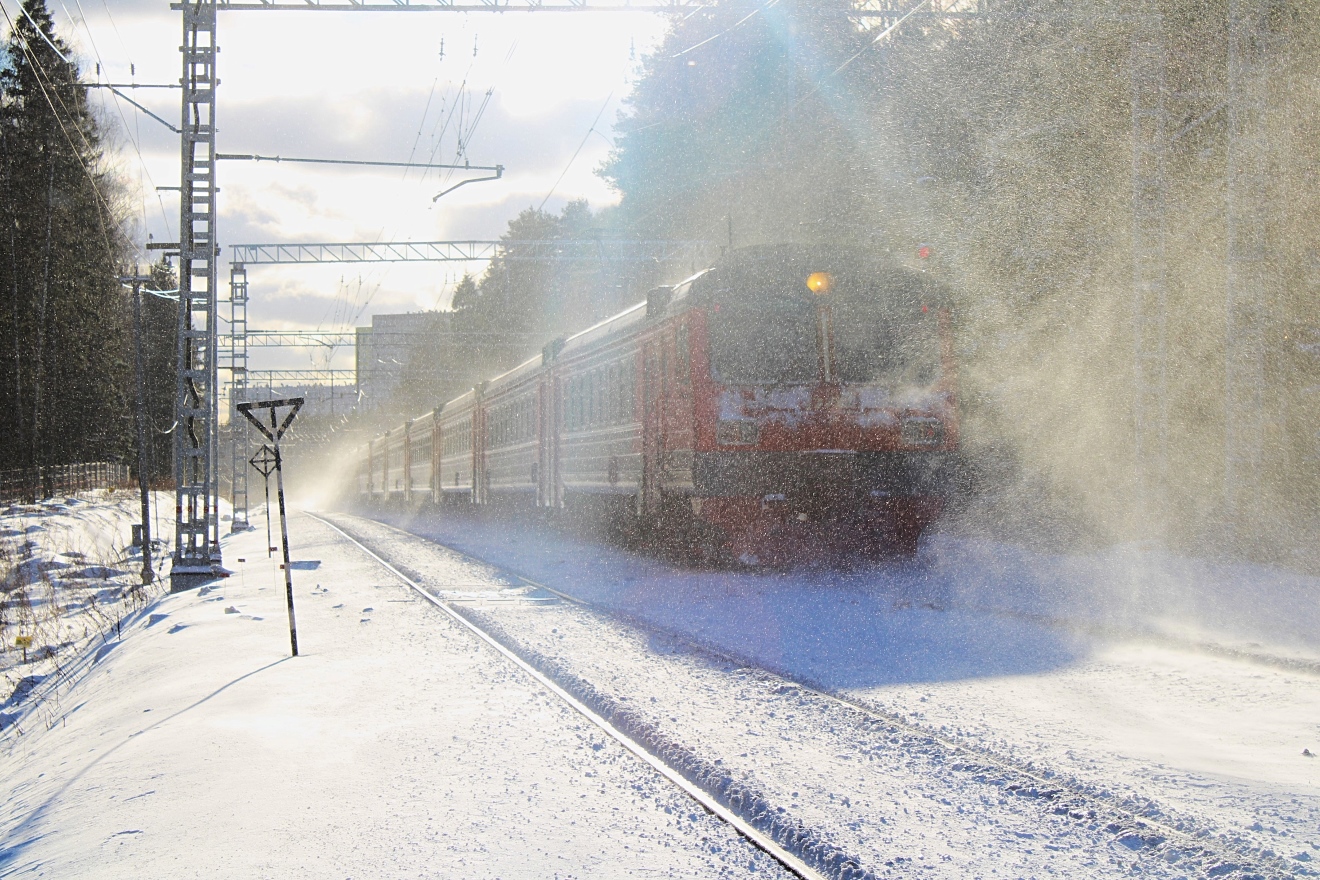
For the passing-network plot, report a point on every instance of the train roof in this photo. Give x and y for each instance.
(739, 270)
(527, 367)
(757, 272)
(606, 328)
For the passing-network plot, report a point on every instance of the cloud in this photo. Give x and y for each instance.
(355, 86)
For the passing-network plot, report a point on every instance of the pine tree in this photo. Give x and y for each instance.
(64, 346)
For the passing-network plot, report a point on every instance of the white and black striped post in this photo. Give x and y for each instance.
(273, 432)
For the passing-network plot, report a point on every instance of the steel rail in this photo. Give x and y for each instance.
(1267, 865)
(762, 842)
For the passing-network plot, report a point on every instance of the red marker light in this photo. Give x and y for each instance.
(925, 309)
(924, 251)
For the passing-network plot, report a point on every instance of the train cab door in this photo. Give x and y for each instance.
(680, 433)
(437, 487)
(653, 441)
(548, 490)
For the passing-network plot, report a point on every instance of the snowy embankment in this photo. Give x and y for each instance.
(394, 745)
(1104, 673)
(1009, 733)
(68, 579)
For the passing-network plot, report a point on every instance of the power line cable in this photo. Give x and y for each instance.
(735, 26)
(38, 74)
(421, 125)
(115, 92)
(585, 138)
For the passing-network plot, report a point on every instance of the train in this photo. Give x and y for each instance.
(786, 403)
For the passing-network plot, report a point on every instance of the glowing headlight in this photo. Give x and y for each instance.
(736, 432)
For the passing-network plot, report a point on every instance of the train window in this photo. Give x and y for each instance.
(593, 401)
(767, 341)
(598, 395)
(575, 402)
(579, 403)
(616, 394)
(610, 385)
(683, 356)
(878, 341)
(629, 387)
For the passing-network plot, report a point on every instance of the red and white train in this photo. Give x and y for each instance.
(784, 404)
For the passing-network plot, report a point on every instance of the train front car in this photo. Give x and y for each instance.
(824, 406)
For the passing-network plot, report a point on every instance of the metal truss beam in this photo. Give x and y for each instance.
(336, 338)
(657, 6)
(884, 10)
(608, 250)
(257, 378)
(891, 10)
(238, 359)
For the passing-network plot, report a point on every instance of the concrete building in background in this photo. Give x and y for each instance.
(408, 361)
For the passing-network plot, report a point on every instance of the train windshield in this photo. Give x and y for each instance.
(875, 340)
(764, 342)
(885, 343)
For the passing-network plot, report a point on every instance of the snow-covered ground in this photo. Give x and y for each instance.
(68, 576)
(1025, 716)
(1184, 691)
(395, 745)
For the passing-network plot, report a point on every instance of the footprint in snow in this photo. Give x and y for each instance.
(367, 610)
(231, 610)
(365, 620)
(340, 605)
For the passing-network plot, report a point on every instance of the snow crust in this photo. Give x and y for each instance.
(396, 745)
(1179, 690)
(1003, 714)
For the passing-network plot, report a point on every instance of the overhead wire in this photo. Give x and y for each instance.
(421, 125)
(730, 29)
(585, 138)
(136, 142)
(38, 72)
(917, 7)
(882, 35)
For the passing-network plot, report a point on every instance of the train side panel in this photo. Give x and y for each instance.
(600, 433)
(599, 437)
(421, 436)
(511, 464)
(395, 457)
(456, 478)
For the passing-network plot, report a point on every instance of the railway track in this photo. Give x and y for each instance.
(808, 852)
(842, 866)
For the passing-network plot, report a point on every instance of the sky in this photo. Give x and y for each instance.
(365, 86)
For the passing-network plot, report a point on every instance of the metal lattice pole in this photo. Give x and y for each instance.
(196, 533)
(1150, 141)
(238, 362)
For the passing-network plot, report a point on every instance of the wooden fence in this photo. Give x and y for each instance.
(29, 484)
